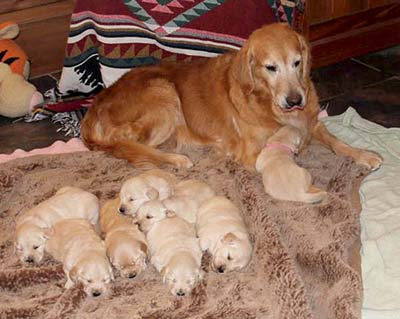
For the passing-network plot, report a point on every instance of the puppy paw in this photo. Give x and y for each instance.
(181, 161)
(370, 159)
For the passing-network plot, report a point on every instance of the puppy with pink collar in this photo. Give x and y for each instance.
(282, 178)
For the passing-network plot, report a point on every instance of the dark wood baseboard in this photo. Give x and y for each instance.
(355, 35)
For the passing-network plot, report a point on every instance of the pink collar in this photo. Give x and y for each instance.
(283, 147)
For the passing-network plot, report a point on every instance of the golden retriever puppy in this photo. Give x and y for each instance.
(75, 243)
(150, 185)
(234, 102)
(176, 254)
(223, 233)
(68, 202)
(150, 213)
(277, 166)
(187, 198)
(126, 245)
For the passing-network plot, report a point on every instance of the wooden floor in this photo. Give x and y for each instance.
(370, 84)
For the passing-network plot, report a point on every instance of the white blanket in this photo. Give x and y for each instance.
(380, 216)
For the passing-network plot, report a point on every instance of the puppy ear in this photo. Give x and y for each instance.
(143, 248)
(229, 238)
(306, 56)
(73, 274)
(163, 273)
(243, 69)
(152, 194)
(170, 213)
(47, 233)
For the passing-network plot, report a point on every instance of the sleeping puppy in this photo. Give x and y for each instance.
(76, 244)
(187, 198)
(152, 184)
(150, 213)
(68, 202)
(277, 166)
(126, 245)
(222, 232)
(175, 253)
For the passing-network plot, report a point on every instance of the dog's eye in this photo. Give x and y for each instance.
(297, 63)
(149, 217)
(35, 247)
(89, 281)
(271, 68)
(131, 199)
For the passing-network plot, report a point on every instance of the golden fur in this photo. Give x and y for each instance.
(278, 167)
(126, 245)
(75, 243)
(234, 102)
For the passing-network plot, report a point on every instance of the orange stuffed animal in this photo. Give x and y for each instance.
(17, 95)
(10, 52)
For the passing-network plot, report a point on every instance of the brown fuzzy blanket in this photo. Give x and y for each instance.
(305, 261)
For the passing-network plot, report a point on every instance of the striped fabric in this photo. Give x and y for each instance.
(107, 38)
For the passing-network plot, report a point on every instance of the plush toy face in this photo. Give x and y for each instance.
(10, 52)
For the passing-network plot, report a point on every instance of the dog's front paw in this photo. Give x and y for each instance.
(182, 161)
(370, 159)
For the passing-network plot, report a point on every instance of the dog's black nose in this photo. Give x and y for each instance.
(96, 293)
(180, 293)
(29, 259)
(132, 275)
(294, 99)
(221, 269)
(122, 210)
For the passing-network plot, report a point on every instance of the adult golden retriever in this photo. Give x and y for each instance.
(234, 102)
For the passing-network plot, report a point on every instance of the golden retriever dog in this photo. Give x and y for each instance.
(176, 254)
(68, 202)
(75, 243)
(126, 245)
(277, 166)
(223, 233)
(234, 102)
(150, 185)
(187, 198)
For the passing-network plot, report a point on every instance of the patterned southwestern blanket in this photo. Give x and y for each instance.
(305, 263)
(107, 40)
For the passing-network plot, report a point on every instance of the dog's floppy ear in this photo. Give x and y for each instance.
(152, 194)
(143, 247)
(306, 56)
(243, 69)
(47, 233)
(229, 238)
(73, 274)
(170, 213)
(162, 273)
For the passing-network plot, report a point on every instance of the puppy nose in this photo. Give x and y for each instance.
(294, 99)
(131, 275)
(180, 293)
(221, 269)
(96, 293)
(122, 210)
(29, 259)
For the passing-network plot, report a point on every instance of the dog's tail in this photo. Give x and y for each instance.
(122, 144)
(140, 155)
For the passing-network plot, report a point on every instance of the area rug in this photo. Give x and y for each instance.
(305, 262)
